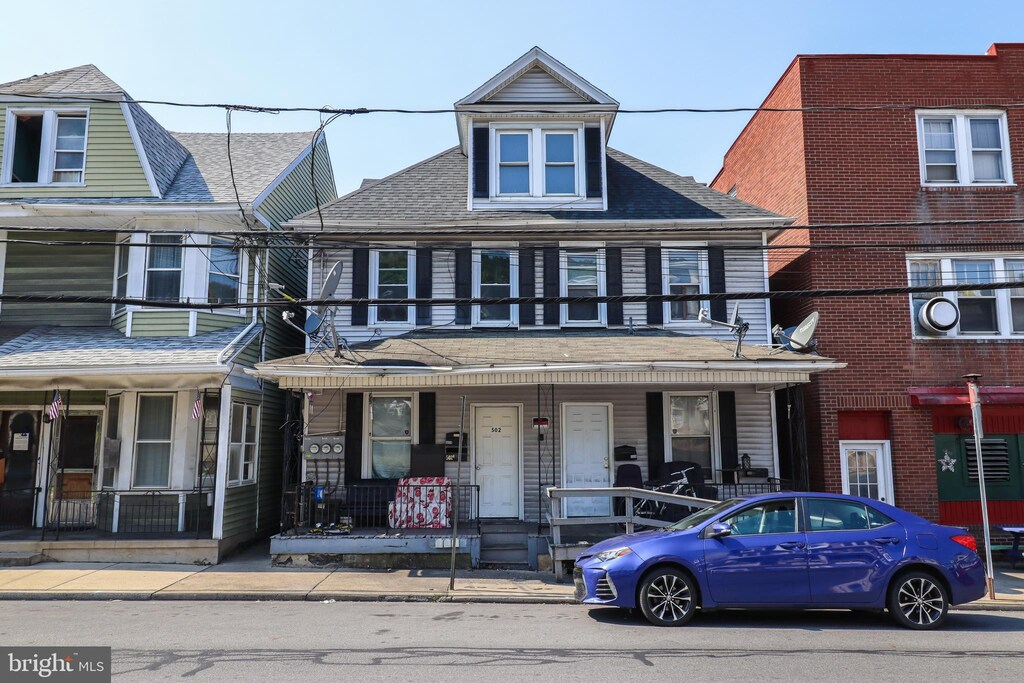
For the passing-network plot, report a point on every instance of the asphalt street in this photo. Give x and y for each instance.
(280, 641)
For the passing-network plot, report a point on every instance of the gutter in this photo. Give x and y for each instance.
(469, 224)
(111, 370)
(222, 356)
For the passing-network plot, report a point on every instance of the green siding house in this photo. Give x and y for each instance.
(162, 447)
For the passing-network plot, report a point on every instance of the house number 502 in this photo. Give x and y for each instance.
(495, 429)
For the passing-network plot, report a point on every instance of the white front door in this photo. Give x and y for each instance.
(586, 456)
(496, 451)
(867, 469)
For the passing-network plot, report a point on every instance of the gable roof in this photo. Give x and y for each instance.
(80, 80)
(537, 59)
(434, 191)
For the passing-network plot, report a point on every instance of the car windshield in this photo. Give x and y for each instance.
(704, 515)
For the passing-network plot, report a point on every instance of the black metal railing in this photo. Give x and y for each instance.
(186, 513)
(726, 491)
(384, 505)
(17, 507)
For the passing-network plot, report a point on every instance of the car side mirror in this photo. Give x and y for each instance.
(719, 530)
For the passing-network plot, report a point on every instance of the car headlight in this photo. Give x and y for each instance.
(606, 555)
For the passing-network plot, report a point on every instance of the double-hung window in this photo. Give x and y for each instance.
(583, 275)
(393, 276)
(560, 163)
(514, 163)
(984, 312)
(538, 162)
(163, 268)
(391, 425)
(243, 446)
(963, 148)
(154, 437)
(495, 276)
(225, 272)
(684, 271)
(121, 272)
(690, 424)
(44, 147)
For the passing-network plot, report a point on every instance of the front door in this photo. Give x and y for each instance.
(72, 494)
(586, 456)
(19, 438)
(497, 432)
(867, 469)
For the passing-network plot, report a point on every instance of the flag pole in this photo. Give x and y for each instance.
(975, 399)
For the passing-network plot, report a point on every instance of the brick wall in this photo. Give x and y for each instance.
(863, 166)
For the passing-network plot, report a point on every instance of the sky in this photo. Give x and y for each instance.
(425, 55)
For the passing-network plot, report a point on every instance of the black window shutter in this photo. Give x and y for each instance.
(592, 149)
(463, 282)
(727, 428)
(428, 417)
(613, 273)
(551, 285)
(527, 285)
(481, 142)
(360, 284)
(353, 437)
(655, 309)
(424, 284)
(655, 433)
(716, 281)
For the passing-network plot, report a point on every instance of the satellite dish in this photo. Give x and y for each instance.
(735, 317)
(799, 338)
(938, 315)
(329, 286)
(313, 323)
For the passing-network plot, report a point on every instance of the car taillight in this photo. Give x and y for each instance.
(966, 541)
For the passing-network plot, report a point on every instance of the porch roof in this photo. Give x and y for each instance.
(48, 357)
(587, 356)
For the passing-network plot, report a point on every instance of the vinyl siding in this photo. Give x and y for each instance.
(112, 165)
(31, 269)
(160, 324)
(536, 85)
(743, 272)
(254, 510)
(211, 322)
(541, 459)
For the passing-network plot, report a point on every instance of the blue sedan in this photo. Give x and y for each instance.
(787, 550)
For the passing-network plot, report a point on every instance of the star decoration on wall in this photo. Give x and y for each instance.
(948, 463)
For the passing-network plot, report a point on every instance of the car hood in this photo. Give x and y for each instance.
(632, 541)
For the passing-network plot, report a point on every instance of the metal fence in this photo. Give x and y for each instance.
(384, 505)
(132, 512)
(16, 508)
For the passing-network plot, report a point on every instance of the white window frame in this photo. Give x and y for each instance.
(241, 480)
(47, 146)
(147, 269)
(602, 282)
(410, 311)
(170, 442)
(667, 249)
(716, 450)
(498, 163)
(948, 275)
(110, 416)
(241, 268)
(368, 438)
(124, 249)
(513, 253)
(537, 134)
(962, 143)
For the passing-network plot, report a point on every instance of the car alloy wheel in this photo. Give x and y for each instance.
(918, 601)
(668, 598)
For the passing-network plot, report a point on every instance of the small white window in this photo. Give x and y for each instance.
(684, 271)
(963, 148)
(391, 425)
(121, 272)
(225, 272)
(514, 163)
(923, 273)
(583, 275)
(537, 165)
(242, 450)
(154, 437)
(163, 268)
(392, 276)
(560, 163)
(977, 306)
(43, 147)
(495, 276)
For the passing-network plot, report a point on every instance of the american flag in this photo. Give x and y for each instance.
(197, 407)
(53, 412)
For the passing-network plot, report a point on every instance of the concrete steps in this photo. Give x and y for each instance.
(20, 559)
(504, 544)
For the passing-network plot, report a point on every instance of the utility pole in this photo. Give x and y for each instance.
(973, 394)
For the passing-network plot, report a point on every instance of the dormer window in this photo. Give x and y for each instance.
(560, 163)
(514, 163)
(45, 147)
(537, 164)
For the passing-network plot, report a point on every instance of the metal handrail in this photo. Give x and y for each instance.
(630, 518)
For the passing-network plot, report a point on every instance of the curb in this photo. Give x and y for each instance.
(250, 596)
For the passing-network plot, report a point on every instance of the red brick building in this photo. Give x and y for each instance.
(948, 146)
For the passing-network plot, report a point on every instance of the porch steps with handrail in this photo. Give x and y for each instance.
(504, 544)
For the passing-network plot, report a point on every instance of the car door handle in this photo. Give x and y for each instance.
(887, 540)
(791, 545)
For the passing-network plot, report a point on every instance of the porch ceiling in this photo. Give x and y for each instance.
(505, 357)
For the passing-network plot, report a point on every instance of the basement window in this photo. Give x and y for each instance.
(45, 147)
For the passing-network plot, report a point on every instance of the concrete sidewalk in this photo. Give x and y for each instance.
(249, 576)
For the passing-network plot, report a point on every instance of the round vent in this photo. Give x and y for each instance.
(939, 315)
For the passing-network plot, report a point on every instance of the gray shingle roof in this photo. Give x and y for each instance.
(435, 190)
(165, 153)
(497, 348)
(79, 80)
(80, 347)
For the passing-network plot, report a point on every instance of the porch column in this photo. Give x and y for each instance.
(223, 437)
